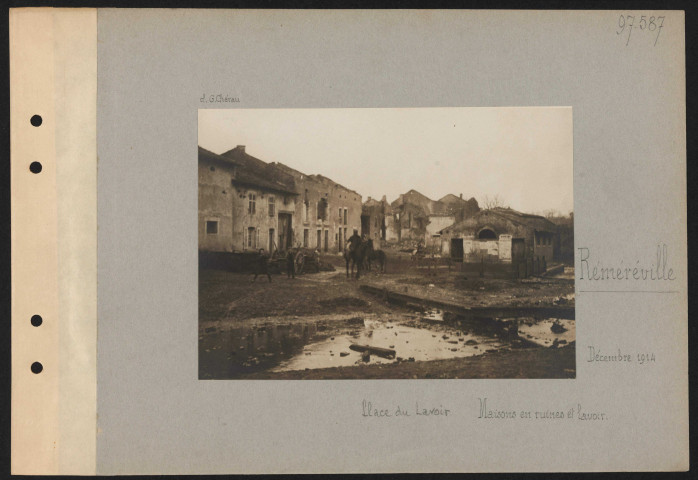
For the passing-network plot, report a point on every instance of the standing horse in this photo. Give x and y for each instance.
(356, 257)
(377, 256)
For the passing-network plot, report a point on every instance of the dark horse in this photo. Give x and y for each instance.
(377, 256)
(356, 257)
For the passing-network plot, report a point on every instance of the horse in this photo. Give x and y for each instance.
(377, 256)
(356, 257)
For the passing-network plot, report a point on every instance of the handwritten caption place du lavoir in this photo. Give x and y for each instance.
(369, 409)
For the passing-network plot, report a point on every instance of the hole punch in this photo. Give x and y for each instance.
(37, 320)
(36, 120)
(37, 367)
(35, 167)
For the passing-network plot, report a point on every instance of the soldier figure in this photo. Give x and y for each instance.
(290, 264)
(262, 266)
(354, 241)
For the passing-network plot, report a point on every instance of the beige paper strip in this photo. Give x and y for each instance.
(53, 63)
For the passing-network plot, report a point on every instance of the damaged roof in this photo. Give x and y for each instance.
(518, 218)
(413, 198)
(256, 172)
(209, 156)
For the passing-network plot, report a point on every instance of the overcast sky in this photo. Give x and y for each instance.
(521, 154)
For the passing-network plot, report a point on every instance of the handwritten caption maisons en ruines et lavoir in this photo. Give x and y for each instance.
(575, 412)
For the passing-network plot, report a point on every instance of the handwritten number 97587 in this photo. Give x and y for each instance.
(650, 24)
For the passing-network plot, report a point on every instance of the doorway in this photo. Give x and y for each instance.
(285, 231)
(271, 240)
(457, 249)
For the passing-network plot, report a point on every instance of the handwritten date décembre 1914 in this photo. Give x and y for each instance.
(645, 24)
(596, 355)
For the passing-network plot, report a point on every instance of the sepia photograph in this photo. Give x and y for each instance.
(386, 243)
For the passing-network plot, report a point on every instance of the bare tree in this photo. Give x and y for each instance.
(551, 214)
(494, 201)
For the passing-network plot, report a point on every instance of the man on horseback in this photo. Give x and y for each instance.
(354, 241)
(354, 253)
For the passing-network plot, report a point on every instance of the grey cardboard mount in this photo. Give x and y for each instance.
(628, 101)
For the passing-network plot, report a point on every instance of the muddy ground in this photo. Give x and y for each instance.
(237, 318)
(521, 363)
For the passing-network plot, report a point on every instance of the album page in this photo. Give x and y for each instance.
(270, 241)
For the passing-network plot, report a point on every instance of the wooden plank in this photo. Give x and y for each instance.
(381, 352)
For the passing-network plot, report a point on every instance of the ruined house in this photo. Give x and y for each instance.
(243, 203)
(458, 207)
(436, 223)
(411, 212)
(374, 214)
(500, 234)
(419, 218)
(326, 212)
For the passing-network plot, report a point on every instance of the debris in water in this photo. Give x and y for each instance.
(557, 327)
(381, 352)
(343, 354)
(366, 356)
(471, 342)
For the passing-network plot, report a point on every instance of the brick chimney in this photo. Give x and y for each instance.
(368, 199)
(240, 148)
(461, 195)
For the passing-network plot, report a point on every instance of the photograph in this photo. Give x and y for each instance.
(386, 243)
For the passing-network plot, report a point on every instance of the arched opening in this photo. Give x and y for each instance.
(487, 234)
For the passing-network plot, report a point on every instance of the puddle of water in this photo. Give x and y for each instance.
(541, 331)
(418, 343)
(320, 344)
(229, 353)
